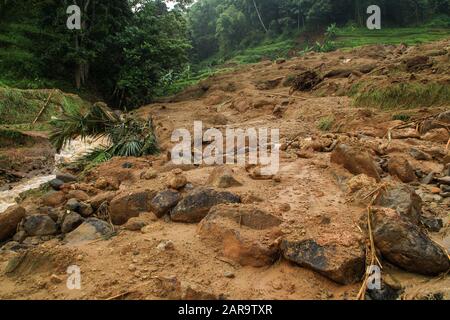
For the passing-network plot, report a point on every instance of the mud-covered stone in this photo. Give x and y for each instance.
(401, 168)
(244, 234)
(71, 221)
(9, 220)
(355, 160)
(405, 245)
(124, 207)
(53, 198)
(223, 177)
(164, 201)
(195, 206)
(341, 264)
(89, 230)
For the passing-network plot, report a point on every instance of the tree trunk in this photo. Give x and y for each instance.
(259, 16)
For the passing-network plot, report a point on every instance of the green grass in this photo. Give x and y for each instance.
(20, 107)
(325, 123)
(402, 96)
(349, 37)
(271, 50)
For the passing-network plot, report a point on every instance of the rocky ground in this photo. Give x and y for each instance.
(145, 228)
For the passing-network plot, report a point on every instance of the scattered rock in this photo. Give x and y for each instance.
(195, 206)
(419, 154)
(355, 160)
(244, 234)
(20, 236)
(229, 274)
(66, 177)
(56, 184)
(39, 225)
(54, 279)
(135, 224)
(85, 210)
(444, 180)
(164, 201)
(178, 180)
(401, 168)
(72, 205)
(166, 245)
(149, 174)
(53, 198)
(440, 135)
(432, 224)
(428, 179)
(101, 198)
(78, 194)
(9, 220)
(223, 177)
(344, 265)
(71, 221)
(404, 200)
(406, 245)
(124, 207)
(89, 230)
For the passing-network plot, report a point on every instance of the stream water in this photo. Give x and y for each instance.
(74, 149)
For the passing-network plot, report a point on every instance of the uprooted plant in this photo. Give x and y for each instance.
(126, 136)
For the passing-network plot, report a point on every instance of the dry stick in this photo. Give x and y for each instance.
(44, 106)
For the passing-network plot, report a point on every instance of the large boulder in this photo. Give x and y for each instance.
(355, 160)
(195, 206)
(244, 234)
(405, 245)
(39, 225)
(401, 168)
(164, 201)
(403, 199)
(123, 207)
(342, 264)
(9, 221)
(71, 221)
(91, 229)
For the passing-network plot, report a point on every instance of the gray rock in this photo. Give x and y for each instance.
(56, 184)
(419, 154)
(195, 206)
(85, 210)
(20, 236)
(72, 205)
(89, 230)
(164, 201)
(405, 245)
(428, 179)
(71, 221)
(404, 200)
(39, 225)
(444, 180)
(66, 177)
(432, 224)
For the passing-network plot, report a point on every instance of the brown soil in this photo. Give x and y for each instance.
(130, 266)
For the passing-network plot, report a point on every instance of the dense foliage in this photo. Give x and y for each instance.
(129, 51)
(222, 26)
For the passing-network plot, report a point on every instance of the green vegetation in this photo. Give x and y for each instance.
(126, 136)
(326, 123)
(402, 96)
(402, 117)
(20, 107)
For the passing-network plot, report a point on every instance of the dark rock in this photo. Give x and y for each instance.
(195, 206)
(127, 165)
(9, 220)
(124, 207)
(403, 199)
(85, 210)
(355, 160)
(432, 224)
(405, 245)
(428, 179)
(56, 184)
(71, 222)
(338, 263)
(419, 154)
(72, 205)
(444, 180)
(39, 225)
(89, 230)
(66, 177)
(385, 293)
(164, 201)
(20, 236)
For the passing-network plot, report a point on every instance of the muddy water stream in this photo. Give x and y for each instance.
(73, 150)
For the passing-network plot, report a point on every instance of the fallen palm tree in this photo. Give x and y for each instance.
(126, 136)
